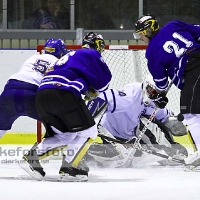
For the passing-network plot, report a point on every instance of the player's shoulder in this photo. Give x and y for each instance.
(133, 90)
(43, 57)
(49, 57)
(89, 52)
(174, 24)
(133, 86)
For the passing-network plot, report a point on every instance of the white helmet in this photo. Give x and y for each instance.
(148, 88)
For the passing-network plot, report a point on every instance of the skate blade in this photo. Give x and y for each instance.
(28, 168)
(77, 178)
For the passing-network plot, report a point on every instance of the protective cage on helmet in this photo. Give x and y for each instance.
(55, 47)
(94, 41)
(146, 25)
(148, 88)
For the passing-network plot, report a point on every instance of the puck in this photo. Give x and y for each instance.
(180, 117)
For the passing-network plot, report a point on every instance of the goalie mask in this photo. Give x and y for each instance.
(146, 25)
(148, 87)
(93, 41)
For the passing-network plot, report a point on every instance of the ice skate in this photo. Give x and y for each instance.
(72, 174)
(31, 165)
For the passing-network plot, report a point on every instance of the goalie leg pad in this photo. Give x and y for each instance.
(194, 131)
(120, 154)
(2, 132)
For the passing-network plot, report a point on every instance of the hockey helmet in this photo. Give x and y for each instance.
(148, 87)
(93, 41)
(146, 25)
(55, 47)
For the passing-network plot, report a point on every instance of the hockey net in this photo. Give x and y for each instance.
(128, 64)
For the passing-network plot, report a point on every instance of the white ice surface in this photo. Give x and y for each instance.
(152, 182)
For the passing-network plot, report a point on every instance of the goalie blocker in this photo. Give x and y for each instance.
(97, 107)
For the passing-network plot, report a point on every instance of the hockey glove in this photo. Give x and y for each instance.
(160, 100)
(90, 94)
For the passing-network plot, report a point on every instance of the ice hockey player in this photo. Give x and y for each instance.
(64, 113)
(18, 96)
(125, 118)
(174, 51)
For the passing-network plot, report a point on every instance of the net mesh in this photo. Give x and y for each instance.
(129, 66)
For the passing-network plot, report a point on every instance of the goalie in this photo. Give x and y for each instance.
(127, 112)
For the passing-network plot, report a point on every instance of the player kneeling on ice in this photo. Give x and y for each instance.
(63, 112)
(126, 116)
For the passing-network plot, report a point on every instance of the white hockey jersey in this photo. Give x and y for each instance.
(33, 69)
(125, 107)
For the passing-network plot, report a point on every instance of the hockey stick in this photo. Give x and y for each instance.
(139, 137)
(189, 161)
(192, 160)
(136, 144)
(142, 149)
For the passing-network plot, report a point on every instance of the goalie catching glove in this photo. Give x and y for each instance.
(160, 100)
(90, 94)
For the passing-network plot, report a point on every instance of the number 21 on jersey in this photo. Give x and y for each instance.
(171, 46)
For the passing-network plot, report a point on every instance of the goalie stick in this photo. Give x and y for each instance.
(139, 137)
(192, 160)
(136, 144)
(141, 149)
(95, 105)
(98, 106)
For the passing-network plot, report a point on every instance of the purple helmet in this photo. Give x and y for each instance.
(55, 47)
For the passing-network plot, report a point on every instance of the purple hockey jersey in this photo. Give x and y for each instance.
(77, 71)
(168, 51)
